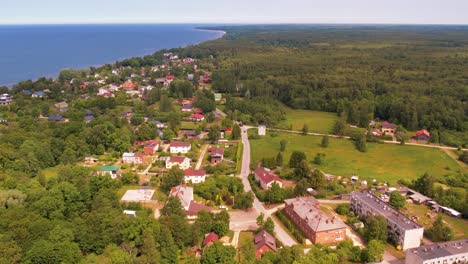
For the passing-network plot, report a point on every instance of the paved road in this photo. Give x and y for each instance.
(202, 156)
(281, 234)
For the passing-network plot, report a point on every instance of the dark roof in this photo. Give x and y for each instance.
(440, 250)
(390, 213)
(263, 238)
(55, 118)
(388, 125)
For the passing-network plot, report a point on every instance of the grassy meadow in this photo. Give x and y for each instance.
(319, 122)
(384, 162)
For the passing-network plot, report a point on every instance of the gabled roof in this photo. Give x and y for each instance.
(179, 159)
(266, 175)
(192, 172)
(151, 143)
(263, 238)
(178, 144)
(108, 168)
(386, 124)
(306, 209)
(187, 107)
(195, 207)
(209, 238)
(55, 118)
(196, 116)
(184, 193)
(422, 132)
(216, 151)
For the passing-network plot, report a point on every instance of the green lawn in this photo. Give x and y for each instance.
(188, 125)
(320, 122)
(384, 162)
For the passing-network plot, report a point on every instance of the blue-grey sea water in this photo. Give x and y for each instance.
(33, 51)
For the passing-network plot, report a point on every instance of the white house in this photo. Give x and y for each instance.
(183, 162)
(133, 158)
(180, 147)
(194, 176)
(184, 193)
(266, 178)
(113, 171)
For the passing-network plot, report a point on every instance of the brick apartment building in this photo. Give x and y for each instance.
(317, 226)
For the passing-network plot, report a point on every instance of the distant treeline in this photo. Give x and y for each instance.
(415, 76)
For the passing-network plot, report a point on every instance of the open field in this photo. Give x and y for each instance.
(384, 162)
(320, 122)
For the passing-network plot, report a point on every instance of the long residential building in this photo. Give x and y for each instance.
(407, 233)
(445, 252)
(317, 226)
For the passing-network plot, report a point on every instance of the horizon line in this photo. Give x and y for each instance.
(231, 23)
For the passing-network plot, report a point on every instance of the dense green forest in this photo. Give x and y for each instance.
(415, 76)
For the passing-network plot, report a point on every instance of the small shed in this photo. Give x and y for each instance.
(262, 130)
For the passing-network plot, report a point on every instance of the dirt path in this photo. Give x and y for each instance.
(202, 156)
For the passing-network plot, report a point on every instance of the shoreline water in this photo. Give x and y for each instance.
(54, 75)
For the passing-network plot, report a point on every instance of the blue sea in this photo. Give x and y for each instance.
(33, 51)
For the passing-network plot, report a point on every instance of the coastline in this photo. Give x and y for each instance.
(54, 75)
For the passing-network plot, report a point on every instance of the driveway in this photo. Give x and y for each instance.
(202, 156)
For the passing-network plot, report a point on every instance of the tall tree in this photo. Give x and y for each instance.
(397, 200)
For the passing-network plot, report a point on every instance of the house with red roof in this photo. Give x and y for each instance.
(194, 208)
(194, 176)
(151, 147)
(388, 128)
(129, 85)
(264, 242)
(422, 135)
(197, 117)
(184, 163)
(185, 195)
(210, 239)
(180, 147)
(217, 155)
(266, 178)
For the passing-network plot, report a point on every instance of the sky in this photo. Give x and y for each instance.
(234, 11)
